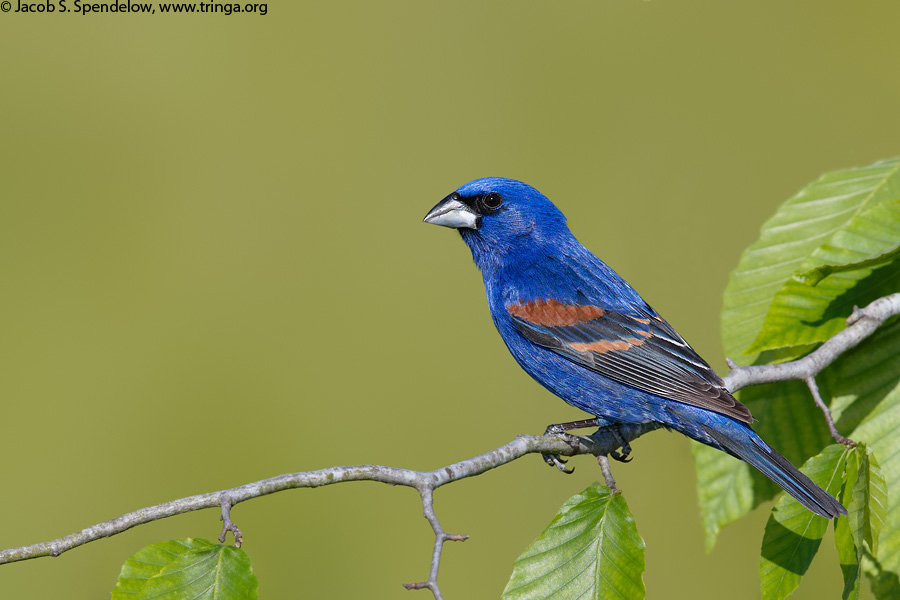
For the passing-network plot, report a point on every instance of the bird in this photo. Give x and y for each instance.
(581, 331)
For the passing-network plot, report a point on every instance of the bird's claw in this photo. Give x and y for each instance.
(623, 456)
(555, 461)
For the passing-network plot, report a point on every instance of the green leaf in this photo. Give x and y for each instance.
(185, 569)
(814, 276)
(591, 549)
(849, 552)
(864, 385)
(865, 497)
(804, 314)
(799, 227)
(869, 506)
(793, 533)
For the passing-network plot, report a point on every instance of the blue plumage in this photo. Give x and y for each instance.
(581, 331)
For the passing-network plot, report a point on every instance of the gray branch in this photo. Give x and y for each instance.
(602, 442)
(861, 324)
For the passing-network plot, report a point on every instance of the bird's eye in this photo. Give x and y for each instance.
(492, 201)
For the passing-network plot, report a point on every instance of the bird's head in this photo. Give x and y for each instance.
(499, 217)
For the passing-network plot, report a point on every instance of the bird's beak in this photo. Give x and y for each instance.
(450, 212)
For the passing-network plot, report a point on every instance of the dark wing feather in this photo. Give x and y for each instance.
(643, 352)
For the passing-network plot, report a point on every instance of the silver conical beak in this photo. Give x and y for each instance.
(450, 212)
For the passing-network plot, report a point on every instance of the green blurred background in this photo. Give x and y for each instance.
(214, 268)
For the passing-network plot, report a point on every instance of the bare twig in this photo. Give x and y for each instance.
(227, 524)
(814, 390)
(440, 536)
(603, 461)
(602, 442)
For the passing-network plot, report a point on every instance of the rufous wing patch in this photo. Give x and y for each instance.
(604, 346)
(550, 313)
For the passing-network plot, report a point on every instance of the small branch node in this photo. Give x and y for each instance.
(855, 316)
(228, 524)
(419, 585)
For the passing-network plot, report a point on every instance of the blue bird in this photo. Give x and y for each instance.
(582, 332)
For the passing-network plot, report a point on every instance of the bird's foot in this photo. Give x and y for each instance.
(553, 459)
(560, 429)
(626, 448)
(621, 456)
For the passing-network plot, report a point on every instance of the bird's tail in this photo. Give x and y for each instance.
(750, 448)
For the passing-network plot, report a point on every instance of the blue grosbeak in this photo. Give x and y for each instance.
(583, 333)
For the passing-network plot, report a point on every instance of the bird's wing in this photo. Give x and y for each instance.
(641, 351)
